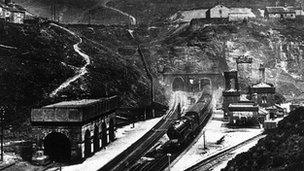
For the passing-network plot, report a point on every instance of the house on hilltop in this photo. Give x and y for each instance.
(218, 11)
(216, 14)
(279, 13)
(11, 12)
(298, 10)
(237, 14)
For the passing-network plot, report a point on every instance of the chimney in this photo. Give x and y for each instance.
(231, 80)
(262, 73)
(8, 2)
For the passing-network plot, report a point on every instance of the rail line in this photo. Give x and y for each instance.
(133, 153)
(162, 162)
(213, 158)
(7, 166)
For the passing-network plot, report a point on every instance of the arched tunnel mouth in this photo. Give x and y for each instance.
(178, 84)
(58, 147)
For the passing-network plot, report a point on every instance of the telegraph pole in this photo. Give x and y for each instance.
(204, 139)
(2, 129)
(89, 18)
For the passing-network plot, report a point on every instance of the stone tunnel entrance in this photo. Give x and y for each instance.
(58, 147)
(205, 84)
(178, 84)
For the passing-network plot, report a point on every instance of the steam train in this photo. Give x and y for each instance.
(181, 133)
(187, 126)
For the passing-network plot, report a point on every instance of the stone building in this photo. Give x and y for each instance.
(237, 14)
(74, 130)
(279, 13)
(218, 11)
(298, 10)
(11, 12)
(246, 114)
(262, 93)
(231, 94)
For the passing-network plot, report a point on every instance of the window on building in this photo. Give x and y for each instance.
(220, 11)
(264, 99)
(232, 84)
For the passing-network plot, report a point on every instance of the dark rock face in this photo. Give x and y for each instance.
(281, 149)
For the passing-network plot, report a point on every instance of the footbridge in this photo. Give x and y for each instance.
(193, 82)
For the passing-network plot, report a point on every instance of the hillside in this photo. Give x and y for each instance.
(281, 149)
(145, 11)
(34, 61)
(38, 59)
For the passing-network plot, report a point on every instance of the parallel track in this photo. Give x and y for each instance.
(162, 162)
(133, 153)
(200, 165)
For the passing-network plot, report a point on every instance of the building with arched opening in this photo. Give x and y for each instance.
(74, 130)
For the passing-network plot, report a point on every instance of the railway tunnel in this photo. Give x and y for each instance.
(58, 147)
(193, 82)
(178, 84)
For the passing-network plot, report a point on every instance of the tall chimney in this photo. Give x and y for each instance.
(262, 73)
(8, 2)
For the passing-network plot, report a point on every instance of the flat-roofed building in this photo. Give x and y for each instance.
(73, 130)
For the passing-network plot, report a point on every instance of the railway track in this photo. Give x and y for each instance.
(202, 165)
(133, 153)
(162, 162)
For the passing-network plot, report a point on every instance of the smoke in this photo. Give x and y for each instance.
(185, 99)
(216, 97)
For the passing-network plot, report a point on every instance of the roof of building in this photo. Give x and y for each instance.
(279, 10)
(74, 103)
(274, 107)
(242, 107)
(262, 85)
(294, 8)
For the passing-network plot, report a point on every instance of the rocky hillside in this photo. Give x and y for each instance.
(281, 149)
(34, 61)
(38, 59)
(70, 11)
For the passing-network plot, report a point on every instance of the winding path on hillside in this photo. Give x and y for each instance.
(104, 4)
(81, 71)
(132, 18)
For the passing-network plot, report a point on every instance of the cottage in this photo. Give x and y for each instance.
(298, 10)
(12, 13)
(279, 13)
(218, 11)
(237, 14)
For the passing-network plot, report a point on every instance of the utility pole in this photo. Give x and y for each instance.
(204, 139)
(147, 71)
(53, 12)
(2, 130)
(89, 17)
(169, 166)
